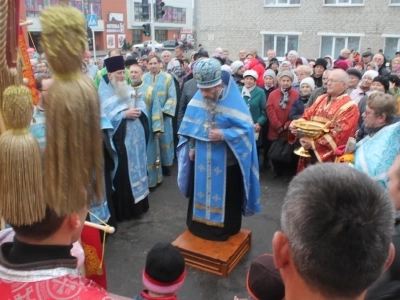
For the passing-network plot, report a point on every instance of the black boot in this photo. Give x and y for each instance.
(166, 171)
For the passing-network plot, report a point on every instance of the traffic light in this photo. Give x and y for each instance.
(145, 9)
(159, 9)
(146, 29)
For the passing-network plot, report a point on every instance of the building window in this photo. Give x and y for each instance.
(161, 35)
(331, 45)
(281, 2)
(172, 14)
(281, 43)
(394, 2)
(343, 2)
(392, 45)
(34, 7)
(136, 36)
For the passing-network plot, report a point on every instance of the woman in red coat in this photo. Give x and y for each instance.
(259, 68)
(279, 106)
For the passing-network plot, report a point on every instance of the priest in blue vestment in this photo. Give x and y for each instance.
(217, 156)
(128, 135)
(145, 92)
(165, 93)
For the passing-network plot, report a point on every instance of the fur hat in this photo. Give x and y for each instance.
(321, 62)
(207, 73)
(294, 53)
(383, 80)
(354, 72)
(309, 81)
(251, 73)
(164, 272)
(286, 73)
(114, 63)
(269, 72)
(371, 73)
(129, 61)
(236, 65)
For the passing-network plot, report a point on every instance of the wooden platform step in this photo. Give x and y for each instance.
(218, 258)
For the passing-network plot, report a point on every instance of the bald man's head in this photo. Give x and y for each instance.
(337, 83)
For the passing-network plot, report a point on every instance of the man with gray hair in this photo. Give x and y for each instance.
(337, 112)
(166, 57)
(344, 54)
(319, 91)
(336, 232)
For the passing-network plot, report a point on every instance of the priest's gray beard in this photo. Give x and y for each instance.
(120, 88)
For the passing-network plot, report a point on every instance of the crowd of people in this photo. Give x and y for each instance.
(217, 117)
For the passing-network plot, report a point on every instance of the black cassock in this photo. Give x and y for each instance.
(121, 201)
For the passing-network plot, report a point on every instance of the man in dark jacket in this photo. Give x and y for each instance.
(319, 91)
(188, 91)
(387, 287)
(145, 50)
(380, 60)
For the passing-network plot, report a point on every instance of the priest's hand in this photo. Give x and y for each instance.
(305, 143)
(215, 135)
(257, 127)
(133, 113)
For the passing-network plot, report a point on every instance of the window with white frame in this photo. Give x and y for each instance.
(343, 2)
(392, 45)
(331, 45)
(281, 2)
(394, 2)
(281, 43)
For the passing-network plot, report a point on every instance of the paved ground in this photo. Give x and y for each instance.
(126, 250)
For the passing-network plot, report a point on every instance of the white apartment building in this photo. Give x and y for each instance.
(314, 28)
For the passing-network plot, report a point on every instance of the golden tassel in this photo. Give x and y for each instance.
(21, 182)
(73, 154)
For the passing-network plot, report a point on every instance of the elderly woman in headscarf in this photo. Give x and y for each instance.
(279, 106)
(329, 60)
(285, 66)
(292, 58)
(254, 98)
(237, 71)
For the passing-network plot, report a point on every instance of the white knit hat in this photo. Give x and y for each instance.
(309, 81)
(270, 72)
(371, 73)
(251, 73)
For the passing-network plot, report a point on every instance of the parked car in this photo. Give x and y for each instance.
(170, 44)
(158, 46)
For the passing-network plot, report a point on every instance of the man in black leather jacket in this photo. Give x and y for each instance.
(387, 287)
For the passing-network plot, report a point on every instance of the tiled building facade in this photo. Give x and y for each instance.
(313, 27)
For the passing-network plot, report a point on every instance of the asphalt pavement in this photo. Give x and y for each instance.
(126, 250)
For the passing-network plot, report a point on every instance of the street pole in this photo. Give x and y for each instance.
(93, 38)
(152, 29)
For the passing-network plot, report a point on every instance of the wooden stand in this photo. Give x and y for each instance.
(218, 258)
